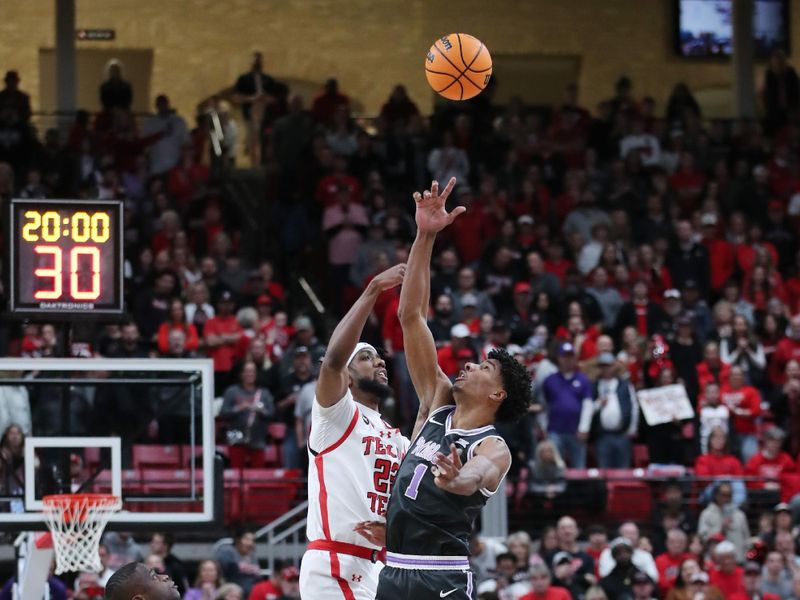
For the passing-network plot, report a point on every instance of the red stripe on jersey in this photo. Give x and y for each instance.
(337, 575)
(323, 506)
(323, 492)
(345, 435)
(323, 498)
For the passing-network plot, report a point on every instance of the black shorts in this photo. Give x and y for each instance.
(408, 584)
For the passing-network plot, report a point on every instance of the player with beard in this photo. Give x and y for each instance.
(354, 456)
(135, 580)
(457, 460)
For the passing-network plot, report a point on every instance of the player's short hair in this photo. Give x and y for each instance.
(516, 383)
(119, 583)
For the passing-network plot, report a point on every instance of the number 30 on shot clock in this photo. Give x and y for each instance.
(66, 257)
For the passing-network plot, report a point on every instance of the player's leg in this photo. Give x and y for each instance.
(405, 584)
(342, 577)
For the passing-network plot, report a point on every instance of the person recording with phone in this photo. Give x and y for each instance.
(248, 410)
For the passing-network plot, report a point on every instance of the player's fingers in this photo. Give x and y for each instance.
(448, 188)
(417, 197)
(426, 195)
(455, 456)
(434, 188)
(458, 210)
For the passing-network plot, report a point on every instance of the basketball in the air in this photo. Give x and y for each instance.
(458, 66)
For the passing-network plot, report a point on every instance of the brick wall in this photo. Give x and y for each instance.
(201, 45)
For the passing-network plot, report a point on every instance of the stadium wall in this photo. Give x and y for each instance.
(200, 46)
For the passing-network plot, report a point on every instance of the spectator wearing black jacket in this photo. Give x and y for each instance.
(639, 312)
(618, 584)
(688, 259)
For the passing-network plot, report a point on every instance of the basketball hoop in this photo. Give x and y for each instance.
(76, 522)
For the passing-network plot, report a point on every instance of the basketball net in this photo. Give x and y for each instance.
(76, 523)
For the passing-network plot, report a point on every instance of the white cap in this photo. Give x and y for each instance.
(460, 330)
(359, 347)
(725, 547)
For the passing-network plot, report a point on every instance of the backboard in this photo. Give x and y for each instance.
(141, 429)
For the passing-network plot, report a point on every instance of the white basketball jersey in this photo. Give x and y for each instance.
(353, 459)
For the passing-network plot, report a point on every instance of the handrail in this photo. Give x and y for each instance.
(287, 532)
(287, 516)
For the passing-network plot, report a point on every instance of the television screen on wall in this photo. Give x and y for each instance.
(705, 27)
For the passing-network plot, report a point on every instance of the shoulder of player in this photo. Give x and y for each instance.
(494, 448)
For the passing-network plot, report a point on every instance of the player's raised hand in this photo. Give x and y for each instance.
(390, 278)
(431, 216)
(373, 531)
(446, 468)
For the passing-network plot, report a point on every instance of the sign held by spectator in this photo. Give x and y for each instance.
(665, 404)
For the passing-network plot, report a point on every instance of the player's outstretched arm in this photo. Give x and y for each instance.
(420, 349)
(332, 381)
(485, 470)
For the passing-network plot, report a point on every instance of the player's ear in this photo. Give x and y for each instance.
(138, 597)
(499, 395)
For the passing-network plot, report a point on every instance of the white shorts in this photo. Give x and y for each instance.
(353, 577)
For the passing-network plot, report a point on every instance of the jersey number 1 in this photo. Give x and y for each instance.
(413, 487)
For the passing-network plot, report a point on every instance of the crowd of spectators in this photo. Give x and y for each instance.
(623, 249)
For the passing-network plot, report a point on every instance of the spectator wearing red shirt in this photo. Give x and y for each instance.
(770, 462)
(392, 335)
(187, 178)
(326, 103)
(542, 588)
(712, 368)
(688, 182)
(761, 284)
(787, 349)
(330, 186)
(657, 277)
(726, 575)
(717, 462)
(781, 180)
(222, 334)
(722, 259)
(177, 320)
(598, 541)
(470, 231)
(668, 563)
(744, 402)
(270, 589)
(555, 262)
(447, 356)
(164, 238)
(748, 254)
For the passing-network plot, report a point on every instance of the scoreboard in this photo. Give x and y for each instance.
(65, 257)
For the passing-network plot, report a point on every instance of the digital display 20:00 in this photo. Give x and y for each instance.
(67, 256)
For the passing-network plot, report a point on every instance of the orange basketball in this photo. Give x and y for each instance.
(458, 66)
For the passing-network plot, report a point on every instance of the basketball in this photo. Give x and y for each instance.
(458, 66)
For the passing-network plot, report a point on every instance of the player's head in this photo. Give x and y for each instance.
(135, 581)
(367, 372)
(501, 380)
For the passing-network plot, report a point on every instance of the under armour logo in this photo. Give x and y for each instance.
(356, 578)
(385, 433)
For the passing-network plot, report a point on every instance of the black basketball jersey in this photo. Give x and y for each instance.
(422, 518)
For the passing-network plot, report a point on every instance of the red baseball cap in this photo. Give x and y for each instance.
(521, 287)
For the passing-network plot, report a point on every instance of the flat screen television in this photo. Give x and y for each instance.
(705, 27)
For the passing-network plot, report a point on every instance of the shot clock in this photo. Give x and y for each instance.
(65, 257)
